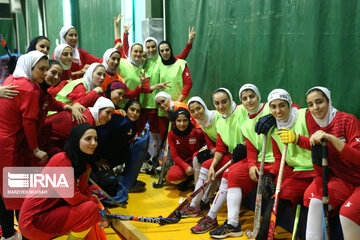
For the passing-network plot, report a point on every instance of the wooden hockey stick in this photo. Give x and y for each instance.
(258, 202)
(276, 195)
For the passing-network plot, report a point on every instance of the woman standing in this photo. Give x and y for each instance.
(342, 130)
(46, 218)
(152, 67)
(184, 142)
(82, 59)
(18, 121)
(176, 71)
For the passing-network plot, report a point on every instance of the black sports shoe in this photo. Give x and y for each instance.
(227, 230)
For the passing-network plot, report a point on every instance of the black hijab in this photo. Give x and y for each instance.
(32, 45)
(72, 149)
(172, 59)
(182, 111)
(129, 103)
(44, 86)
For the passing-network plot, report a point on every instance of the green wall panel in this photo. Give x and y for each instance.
(286, 44)
(7, 30)
(32, 8)
(54, 21)
(96, 24)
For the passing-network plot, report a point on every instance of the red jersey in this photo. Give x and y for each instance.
(182, 148)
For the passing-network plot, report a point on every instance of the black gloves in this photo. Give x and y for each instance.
(268, 186)
(264, 124)
(204, 155)
(171, 115)
(316, 155)
(239, 153)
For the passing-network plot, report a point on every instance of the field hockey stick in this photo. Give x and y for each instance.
(296, 221)
(102, 191)
(276, 195)
(258, 202)
(202, 188)
(160, 220)
(161, 181)
(325, 198)
(3, 43)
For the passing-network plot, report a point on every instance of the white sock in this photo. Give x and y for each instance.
(210, 190)
(234, 198)
(219, 199)
(196, 167)
(350, 229)
(202, 179)
(314, 220)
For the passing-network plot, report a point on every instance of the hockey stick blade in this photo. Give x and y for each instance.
(160, 220)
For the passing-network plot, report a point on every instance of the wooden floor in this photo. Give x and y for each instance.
(155, 202)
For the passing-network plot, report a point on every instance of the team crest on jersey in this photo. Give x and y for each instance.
(130, 132)
(177, 141)
(357, 139)
(192, 140)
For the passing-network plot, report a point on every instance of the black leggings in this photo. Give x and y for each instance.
(6, 220)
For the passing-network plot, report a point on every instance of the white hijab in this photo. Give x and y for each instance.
(26, 63)
(129, 58)
(75, 50)
(106, 57)
(249, 86)
(100, 103)
(88, 76)
(164, 95)
(331, 113)
(209, 116)
(57, 54)
(233, 104)
(284, 95)
(151, 39)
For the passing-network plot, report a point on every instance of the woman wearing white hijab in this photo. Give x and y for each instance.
(342, 130)
(18, 123)
(57, 127)
(164, 103)
(291, 128)
(207, 120)
(82, 59)
(64, 55)
(85, 90)
(240, 178)
(228, 137)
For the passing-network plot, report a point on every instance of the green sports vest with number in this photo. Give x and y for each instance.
(152, 68)
(211, 130)
(248, 130)
(296, 157)
(68, 88)
(173, 73)
(230, 128)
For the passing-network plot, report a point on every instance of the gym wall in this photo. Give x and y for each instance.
(287, 44)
